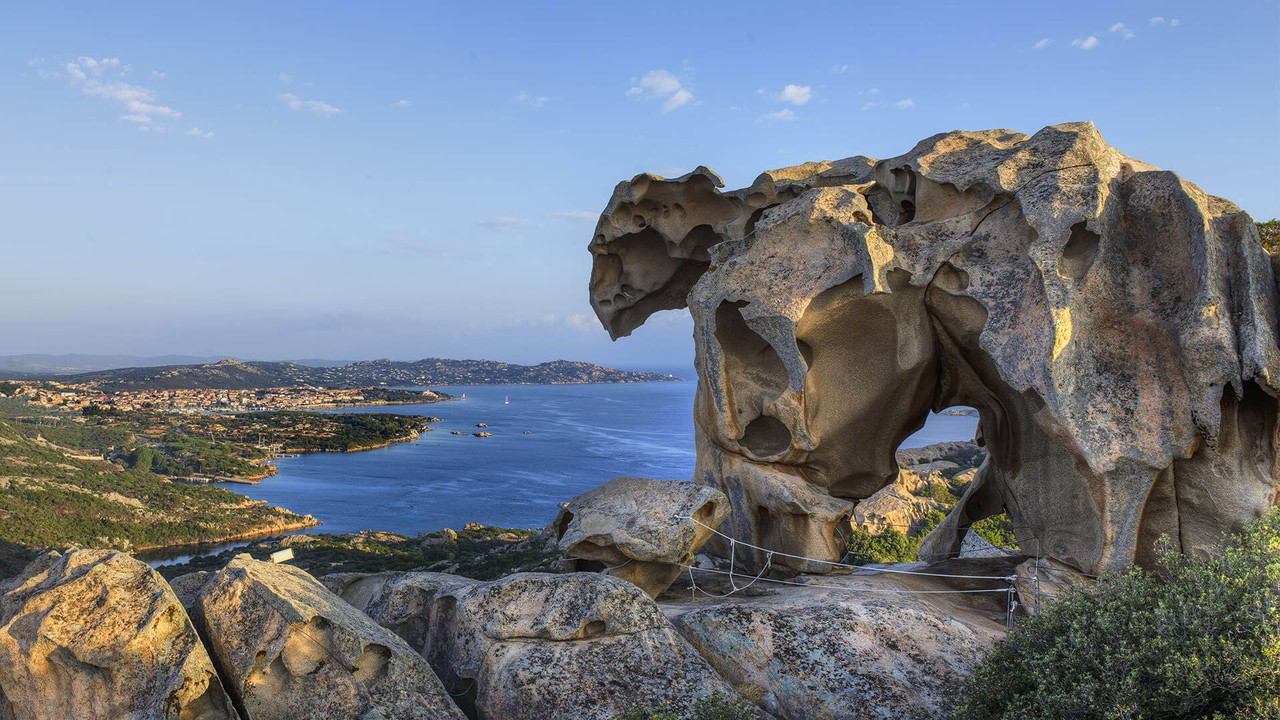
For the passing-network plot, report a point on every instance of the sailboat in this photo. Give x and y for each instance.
(507, 401)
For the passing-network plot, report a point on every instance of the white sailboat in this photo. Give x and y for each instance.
(507, 401)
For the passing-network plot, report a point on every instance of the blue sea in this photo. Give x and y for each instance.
(580, 436)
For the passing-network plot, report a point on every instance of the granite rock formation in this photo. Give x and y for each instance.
(96, 633)
(638, 529)
(538, 646)
(292, 650)
(1114, 326)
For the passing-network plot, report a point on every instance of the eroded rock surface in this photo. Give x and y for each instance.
(817, 653)
(537, 646)
(98, 634)
(640, 530)
(1114, 326)
(294, 650)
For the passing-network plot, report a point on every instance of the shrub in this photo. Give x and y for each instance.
(1191, 638)
(997, 530)
(890, 546)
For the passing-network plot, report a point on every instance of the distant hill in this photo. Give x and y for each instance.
(238, 375)
(42, 364)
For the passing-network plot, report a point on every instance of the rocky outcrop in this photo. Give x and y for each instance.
(291, 650)
(1113, 325)
(852, 646)
(538, 646)
(643, 531)
(891, 508)
(98, 634)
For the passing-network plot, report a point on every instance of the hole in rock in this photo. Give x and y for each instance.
(951, 278)
(563, 526)
(759, 376)
(593, 628)
(906, 211)
(766, 436)
(1079, 252)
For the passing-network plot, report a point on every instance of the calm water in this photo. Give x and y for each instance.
(582, 436)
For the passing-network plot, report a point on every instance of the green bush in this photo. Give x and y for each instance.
(997, 530)
(1191, 638)
(717, 707)
(890, 546)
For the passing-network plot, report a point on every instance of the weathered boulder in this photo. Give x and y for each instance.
(98, 634)
(812, 653)
(639, 529)
(892, 508)
(1113, 325)
(1040, 580)
(294, 650)
(538, 646)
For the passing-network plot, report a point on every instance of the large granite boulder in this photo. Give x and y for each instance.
(643, 531)
(538, 646)
(293, 650)
(819, 653)
(892, 507)
(98, 634)
(1113, 325)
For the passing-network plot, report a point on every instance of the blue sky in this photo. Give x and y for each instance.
(408, 179)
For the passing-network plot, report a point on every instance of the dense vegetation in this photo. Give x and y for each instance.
(479, 552)
(1191, 638)
(49, 499)
(300, 431)
(236, 375)
(1269, 233)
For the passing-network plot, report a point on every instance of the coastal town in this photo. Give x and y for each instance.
(87, 398)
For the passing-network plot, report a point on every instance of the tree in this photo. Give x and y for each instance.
(1269, 233)
(1192, 638)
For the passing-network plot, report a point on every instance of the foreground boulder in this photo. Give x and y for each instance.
(639, 529)
(540, 647)
(97, 634)
(292, 650)
(1113, 325)
(822, 653)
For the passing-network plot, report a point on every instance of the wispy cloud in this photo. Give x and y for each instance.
(402, 103)
(1157, 20)
(873, 91)
(663, 85)
(315, 107)
(1042, 44)
(905, 104)
(283, 77)
(507, 224)
(532, 100)
(158, 75)
(795, 94)
(103, 78)
(1088, 43)
(841, 69)
(1175, 22)
(1123, 29)
(197, 132)
(783, 115)
(576, 215)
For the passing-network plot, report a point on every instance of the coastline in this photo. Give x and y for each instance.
(307, 522)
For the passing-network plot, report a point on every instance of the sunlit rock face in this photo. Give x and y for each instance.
(1114, 326)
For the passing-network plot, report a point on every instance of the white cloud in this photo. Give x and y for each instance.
(102, 79)
(1088, 43)
(795, 94)
(1042, 44)
(871, 105)
(906, 104)
(783, 115)
(581, 322)
(507, 224)
(402, 103)
(578, 215)
(873, 91)
(158, 75)
(283, 77)
(532, 100)
(1157, 20)
(197, 132)
(662, 84)
(1124, 31)
(840, 69)
(315, 107)
(1174, 22)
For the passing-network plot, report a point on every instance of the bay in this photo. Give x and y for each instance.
(580, 436)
